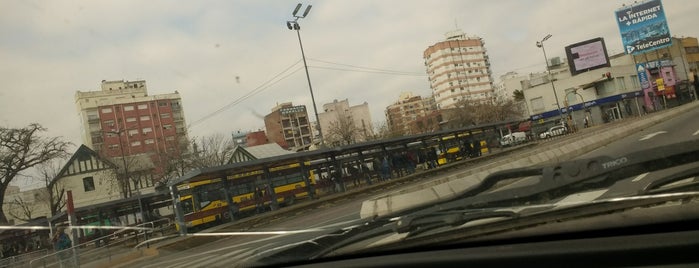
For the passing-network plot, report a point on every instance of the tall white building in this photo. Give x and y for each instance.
(506, 86)
(458, 69)
(339, 118)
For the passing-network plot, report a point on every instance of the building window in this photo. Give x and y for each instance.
(170, 138)
(149, 141)
(146, 130)
(88, 184)
(114, 146)
(135, 143)
(109, 123)
(142, 106)
(620, 83)
(537, 104)
(162, 104)
(106, 110)
(570, 96)
(111, 135)
(133, 132)
(165, 115)
(145, 118)
(128, 108)
(167, 126)
(131, 119)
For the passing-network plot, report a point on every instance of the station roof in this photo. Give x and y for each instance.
(323, 153)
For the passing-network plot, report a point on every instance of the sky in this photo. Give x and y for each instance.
(232, 61)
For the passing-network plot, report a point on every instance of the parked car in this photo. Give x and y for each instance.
(553, 131)
(513, 139)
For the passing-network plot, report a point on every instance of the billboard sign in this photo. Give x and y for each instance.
(587, 55)
(643, 27)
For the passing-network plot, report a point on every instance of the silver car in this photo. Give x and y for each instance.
(553, 131)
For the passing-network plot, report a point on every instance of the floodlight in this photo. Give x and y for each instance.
(296, 10)
(308, 9)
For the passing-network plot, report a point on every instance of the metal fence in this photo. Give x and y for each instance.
(100, 249)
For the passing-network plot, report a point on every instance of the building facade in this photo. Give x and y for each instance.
(611, 93)
(459, 70)
(402, 115)
(123, 120)
(289, 127)
(344, 124)
(507, 85)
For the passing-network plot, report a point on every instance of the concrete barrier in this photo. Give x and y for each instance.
(449, 186)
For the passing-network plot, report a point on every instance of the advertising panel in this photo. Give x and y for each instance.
(587, 55)
(643, 27)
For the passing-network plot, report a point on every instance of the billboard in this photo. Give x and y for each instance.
(643, 27)
(587, 55)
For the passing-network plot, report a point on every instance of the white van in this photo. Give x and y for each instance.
(513, 139)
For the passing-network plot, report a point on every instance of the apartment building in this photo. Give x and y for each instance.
(345, 124)
(288, 126)
(402, 115)
(123, 120)
(459, 70)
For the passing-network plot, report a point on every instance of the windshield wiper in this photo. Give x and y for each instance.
(570, 177)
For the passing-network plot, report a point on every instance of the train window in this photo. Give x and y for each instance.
(187, 206)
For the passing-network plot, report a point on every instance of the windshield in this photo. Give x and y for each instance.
(230, 132)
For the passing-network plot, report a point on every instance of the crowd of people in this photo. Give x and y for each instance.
(394, 165)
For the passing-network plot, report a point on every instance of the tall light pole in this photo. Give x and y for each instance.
(294, 25)
(548, 72)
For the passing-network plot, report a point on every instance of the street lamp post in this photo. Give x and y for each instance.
(294, 25)
(548, 72)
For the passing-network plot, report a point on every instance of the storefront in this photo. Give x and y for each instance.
(602, 110)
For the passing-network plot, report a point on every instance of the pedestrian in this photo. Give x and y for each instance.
(258, 199)
(696, 84)
(62, 245)
(587, 121)
(477, 148)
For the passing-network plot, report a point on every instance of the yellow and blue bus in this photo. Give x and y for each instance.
(203, 202)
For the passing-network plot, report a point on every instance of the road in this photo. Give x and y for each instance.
(238, 246)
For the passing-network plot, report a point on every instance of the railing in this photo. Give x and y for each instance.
(22, 260)
(105, 247)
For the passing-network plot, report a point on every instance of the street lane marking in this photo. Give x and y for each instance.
(695, 133)
(651, 135)
(639, 177)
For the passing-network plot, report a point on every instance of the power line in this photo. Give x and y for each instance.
(368, 68)
(267, 84)
(365, 71)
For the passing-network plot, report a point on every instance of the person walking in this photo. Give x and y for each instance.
(62, 245)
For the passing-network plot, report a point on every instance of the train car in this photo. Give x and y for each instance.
(203, 202)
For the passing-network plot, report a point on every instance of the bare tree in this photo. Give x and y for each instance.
(20, 209)
(215, 150)
(342, 132)
(54, 195)
(23, 148)
(469, 113)
(384, 131)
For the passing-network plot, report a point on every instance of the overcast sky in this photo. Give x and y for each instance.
(215, 52)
